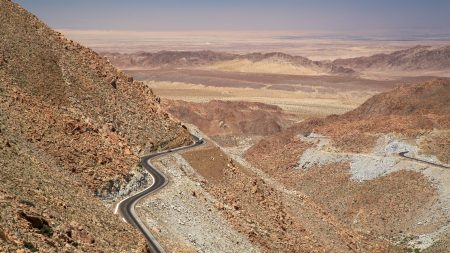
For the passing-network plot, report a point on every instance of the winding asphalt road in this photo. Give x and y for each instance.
(402, 154)
(126, 206)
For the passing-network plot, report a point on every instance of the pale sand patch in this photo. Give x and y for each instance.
(266, 66)
(299, 103)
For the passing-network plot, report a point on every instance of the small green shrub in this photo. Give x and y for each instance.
(30, 246)
(46, 230)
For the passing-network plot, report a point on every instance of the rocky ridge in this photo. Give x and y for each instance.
(412, 59)
(230, 117)
(72, 127)
(353, 159)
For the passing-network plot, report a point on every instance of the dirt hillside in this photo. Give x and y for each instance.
(408, 110)
(230, 117)
(426, 98)
(275, 219)
(71, 127)
(349, 164)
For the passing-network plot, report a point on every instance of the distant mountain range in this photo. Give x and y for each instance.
(419, 58)
(416, 58)
(254, 62)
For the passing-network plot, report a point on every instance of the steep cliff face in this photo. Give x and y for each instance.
(68, 120)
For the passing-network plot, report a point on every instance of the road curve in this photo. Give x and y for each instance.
(126, 206)
(402, 154)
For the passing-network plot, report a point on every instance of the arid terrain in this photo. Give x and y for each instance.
(320, 162)
(230, 118)
(334, 161)
(295, 83)
(314, 143)
(334, 184)
(352, 153)
(71, 129)
(316, 46)
(415, 61)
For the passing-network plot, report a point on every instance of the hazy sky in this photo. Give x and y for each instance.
(313, 15)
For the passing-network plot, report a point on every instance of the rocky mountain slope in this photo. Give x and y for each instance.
(273, 218)
(407, 110)
(148, 60)
(412, 59)
(71, 127)
(349, 164)
(427, 98)
(255, 62)
(310, 191)
(230, 117)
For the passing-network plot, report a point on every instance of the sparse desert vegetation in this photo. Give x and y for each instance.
(218, 141)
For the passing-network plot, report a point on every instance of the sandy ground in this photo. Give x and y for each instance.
(303, 104)
(265, 66)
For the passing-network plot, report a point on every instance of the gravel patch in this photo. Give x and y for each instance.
(383, 160)
(183, 213)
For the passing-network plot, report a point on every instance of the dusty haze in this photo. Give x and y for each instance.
(314, 45)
